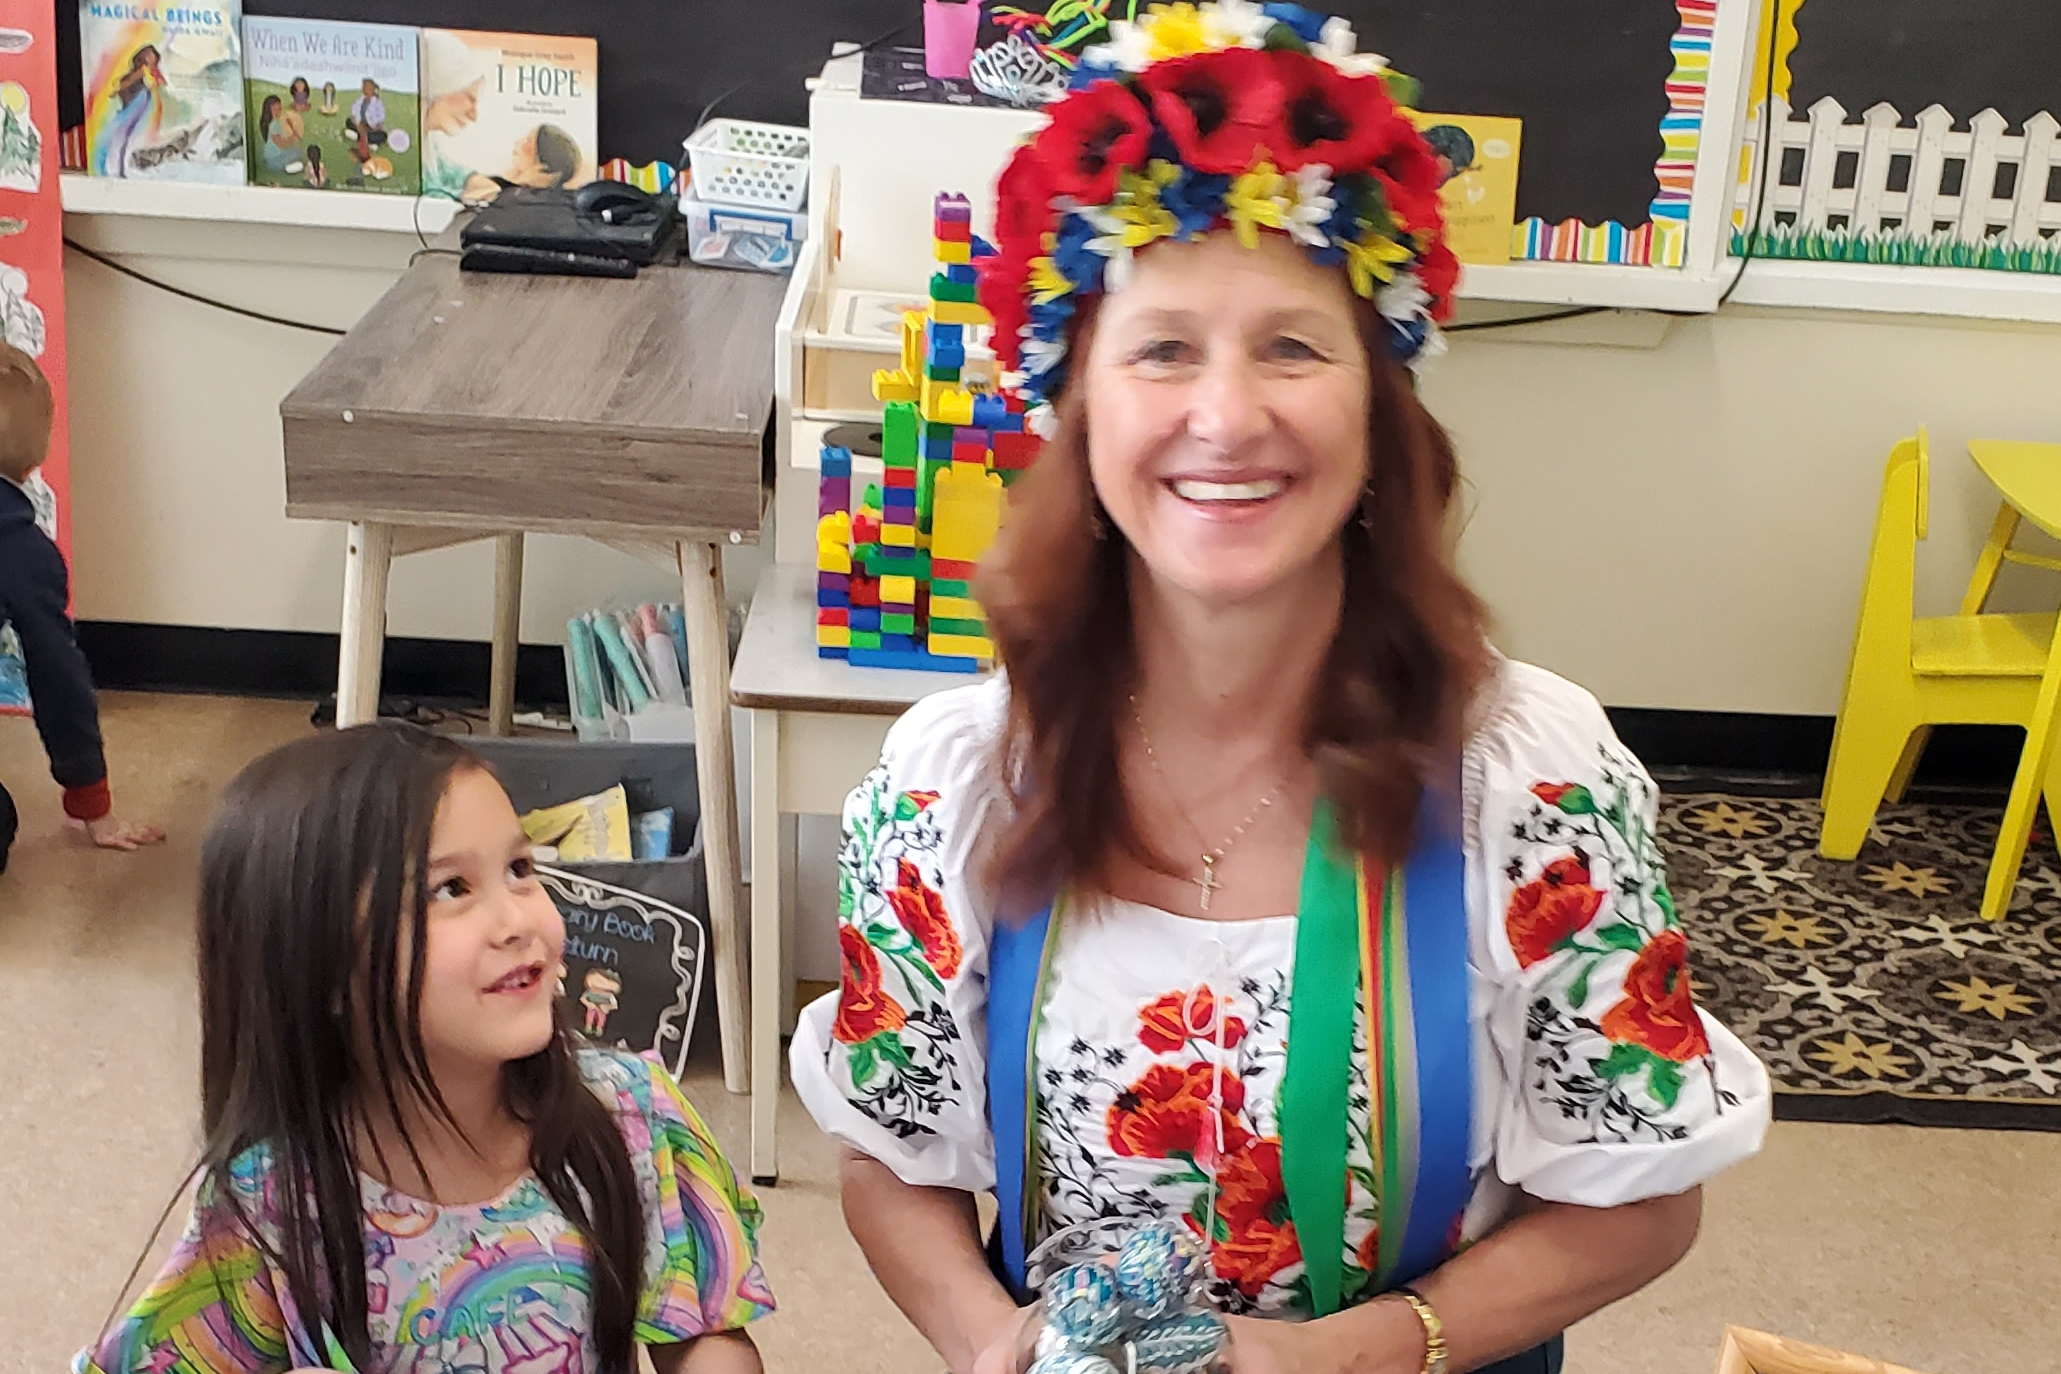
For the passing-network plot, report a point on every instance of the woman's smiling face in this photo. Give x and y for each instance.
(1226, 395)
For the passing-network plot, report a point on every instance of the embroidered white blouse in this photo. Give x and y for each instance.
(1160, 1054)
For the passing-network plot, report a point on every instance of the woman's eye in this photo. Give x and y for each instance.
(1162, 351)
(1292, 350)
(449, 890)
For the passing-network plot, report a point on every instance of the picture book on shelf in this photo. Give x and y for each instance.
(164, 89)
(507, 109)
(332, 105)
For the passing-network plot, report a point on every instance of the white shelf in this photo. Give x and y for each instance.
(311, 209)
(1964, 292)
(1591, 283)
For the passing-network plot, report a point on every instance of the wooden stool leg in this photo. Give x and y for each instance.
(368, 557)
(708, 667)
(766, 945)
(507, 632)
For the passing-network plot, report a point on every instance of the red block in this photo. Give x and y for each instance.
(865, 530)
(1015, 452)
(1013, 403)
(970, 453)
(833, 615)
(948, 569)
(950, 231)
(864, 591)
(905, 478)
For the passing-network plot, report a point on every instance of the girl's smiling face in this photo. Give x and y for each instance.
(495, 940)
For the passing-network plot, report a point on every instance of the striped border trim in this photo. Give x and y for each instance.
(1663, 241)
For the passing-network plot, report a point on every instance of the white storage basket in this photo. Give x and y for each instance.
(737, 162)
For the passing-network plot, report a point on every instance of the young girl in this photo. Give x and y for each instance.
(410, 1164)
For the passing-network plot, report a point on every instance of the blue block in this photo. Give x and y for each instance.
(1008, 423)
(982, 248)
(832, 601)
(831, 651)
(892, 643)
(991, 412)
(947, 333)
(865, 618)
(836, 461)
(961, 272)
(915, 659)
(903, 498)
(938, 450)
(946, 354)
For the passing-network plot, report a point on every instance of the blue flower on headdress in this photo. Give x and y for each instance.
(1196, 200)
(1080, 264)
(1091, 70)
(1305, 25)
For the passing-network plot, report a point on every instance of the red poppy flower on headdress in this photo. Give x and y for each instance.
(1438, 271)
(1219, 108)
(1095, 132)
(1000, 281)
(1409, 178)
(1345, 122)
(1023, 201)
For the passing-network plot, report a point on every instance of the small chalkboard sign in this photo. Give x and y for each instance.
(633, 965)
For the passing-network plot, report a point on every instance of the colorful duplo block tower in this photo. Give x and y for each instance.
(895, 560)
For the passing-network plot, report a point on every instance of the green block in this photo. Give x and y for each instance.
(896, 623)
(950, 586)
(941, 374)
(943, 288)
(898, 431)
(933, 430)
(880, 562)
(866, 639)
(870, 501)
(944, 625)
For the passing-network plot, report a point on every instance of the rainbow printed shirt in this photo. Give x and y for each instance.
(494, 1288)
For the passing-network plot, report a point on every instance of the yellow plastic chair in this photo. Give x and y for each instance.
(1909, 674)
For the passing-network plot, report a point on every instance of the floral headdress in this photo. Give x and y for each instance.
(1197, 116)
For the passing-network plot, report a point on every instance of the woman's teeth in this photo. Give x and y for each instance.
(1190, 489)
(518, 979)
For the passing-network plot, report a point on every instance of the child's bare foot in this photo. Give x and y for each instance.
(112, 832)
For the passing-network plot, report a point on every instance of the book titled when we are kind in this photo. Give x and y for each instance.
(333, 105)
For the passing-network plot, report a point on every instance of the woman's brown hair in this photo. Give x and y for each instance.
(1389, 711)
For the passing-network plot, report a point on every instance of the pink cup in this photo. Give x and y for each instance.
(949, 31)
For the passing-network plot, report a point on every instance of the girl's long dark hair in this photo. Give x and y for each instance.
(312, 944)
(1392, 696)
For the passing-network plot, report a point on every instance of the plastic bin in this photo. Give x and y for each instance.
(757, 238)
(623, 945)
(737, 162)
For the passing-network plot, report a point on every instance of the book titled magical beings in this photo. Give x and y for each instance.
(164, 89)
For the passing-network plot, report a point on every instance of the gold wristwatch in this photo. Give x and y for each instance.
(1434, 1331)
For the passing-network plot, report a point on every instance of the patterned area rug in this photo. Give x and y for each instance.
(1871, 989)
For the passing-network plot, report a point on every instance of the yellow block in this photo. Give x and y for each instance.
(898, 536)
(897, 589)
(962, 646)
(946, 404)
(956, 608)
(965, 513)
(960, 312)
(834, 636)
(948, 251)
(893, 384)
(915, 341)
(833, 557)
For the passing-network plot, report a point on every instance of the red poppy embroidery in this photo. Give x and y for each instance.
(921, 910)
(1657, 1012)
(1221, 109)
(864, 1008)
(1252, 1204)
(1550, 908)
(1173, 1020)
(1167, 1113)
(1092, 134)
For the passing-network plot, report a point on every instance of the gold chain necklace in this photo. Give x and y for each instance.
(1210, 857)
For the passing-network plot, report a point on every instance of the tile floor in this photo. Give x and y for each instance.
(1939, 1250)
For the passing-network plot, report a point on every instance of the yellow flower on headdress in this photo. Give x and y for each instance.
(1136, 217)
(1373, 259)
(1257, 200)
(1047, 282)
(1173, 31)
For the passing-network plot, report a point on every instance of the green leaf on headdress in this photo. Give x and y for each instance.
(1403, 90)
(1370, 208)
(1281, 38)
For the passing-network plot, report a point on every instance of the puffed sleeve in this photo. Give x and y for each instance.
(215, 1308)
(893, 1064)
(1614, 1086)
(701, 1227)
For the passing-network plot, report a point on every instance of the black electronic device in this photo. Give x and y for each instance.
(548, 262)
(554, 223)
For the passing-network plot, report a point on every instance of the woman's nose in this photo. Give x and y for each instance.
(1226, 407)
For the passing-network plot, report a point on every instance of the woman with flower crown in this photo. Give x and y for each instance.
(1258, 895)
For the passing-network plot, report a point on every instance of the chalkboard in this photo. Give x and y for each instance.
(633, 965)
(1963, 55)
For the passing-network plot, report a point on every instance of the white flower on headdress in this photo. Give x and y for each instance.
(1129, 48)
(1040, 356)
(1403, 299)
(1339, 45)
(1236, 24)
(1042, 421)
(1309, 205)
(1433, 347)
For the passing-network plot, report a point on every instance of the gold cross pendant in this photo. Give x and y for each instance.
(1208, 881)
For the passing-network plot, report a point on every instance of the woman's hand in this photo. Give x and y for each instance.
(1386, 1336)
(1010, 1349)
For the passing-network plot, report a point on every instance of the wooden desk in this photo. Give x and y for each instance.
(469, 406)
(816, 730)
